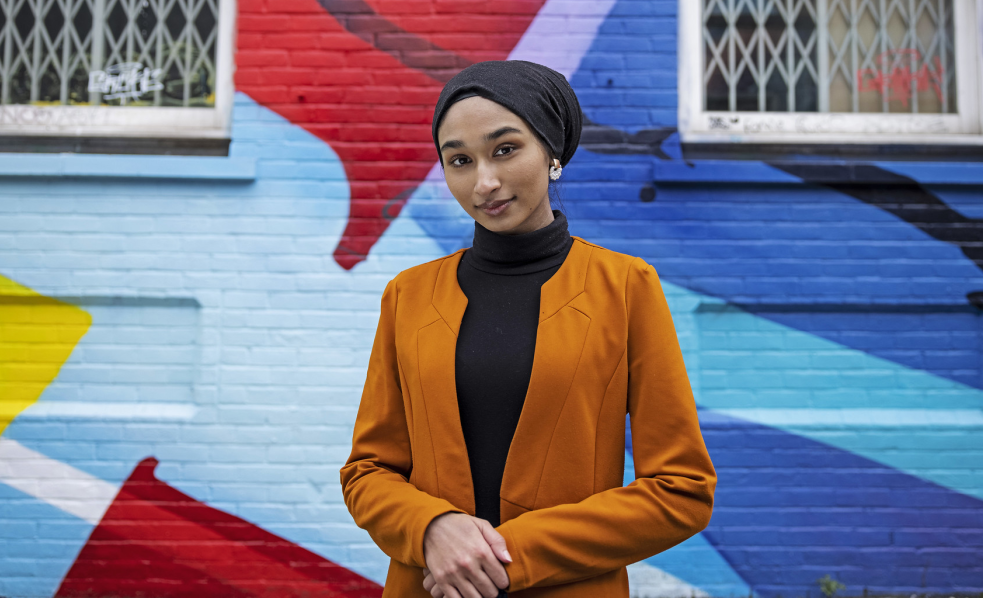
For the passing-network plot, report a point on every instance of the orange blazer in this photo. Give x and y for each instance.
(605, 346)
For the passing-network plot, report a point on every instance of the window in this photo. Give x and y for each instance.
(116, 67)
(799, 70)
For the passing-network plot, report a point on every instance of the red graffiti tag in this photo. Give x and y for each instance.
(895, 78)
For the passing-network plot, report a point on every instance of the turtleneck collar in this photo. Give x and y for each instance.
(535, 251)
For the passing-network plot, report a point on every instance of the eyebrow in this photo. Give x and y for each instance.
(454, 143)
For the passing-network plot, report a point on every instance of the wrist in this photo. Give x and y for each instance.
(428, 532)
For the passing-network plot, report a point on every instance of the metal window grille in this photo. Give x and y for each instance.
(855, 56)
(108, 52)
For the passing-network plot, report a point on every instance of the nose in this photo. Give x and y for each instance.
(487, 182)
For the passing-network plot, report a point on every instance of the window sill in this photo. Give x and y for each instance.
(127, 166)
(201, 145)
(827, 171)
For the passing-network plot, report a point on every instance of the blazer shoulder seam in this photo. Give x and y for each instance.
(631, 265)
(432, 266)
(610, 252)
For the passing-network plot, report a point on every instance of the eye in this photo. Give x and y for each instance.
(453, 161)
(510, 149)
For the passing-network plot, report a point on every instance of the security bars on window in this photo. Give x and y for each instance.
(108, 52)
(853, 56)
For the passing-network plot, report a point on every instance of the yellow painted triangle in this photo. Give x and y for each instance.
(37, 334)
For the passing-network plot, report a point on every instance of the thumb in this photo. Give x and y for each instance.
(495, 541)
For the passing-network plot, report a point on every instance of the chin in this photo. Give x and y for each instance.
(499, 225)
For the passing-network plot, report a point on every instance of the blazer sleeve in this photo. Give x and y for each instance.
(672, 496)
(375, 479)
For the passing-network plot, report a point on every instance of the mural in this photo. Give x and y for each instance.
(182, 357)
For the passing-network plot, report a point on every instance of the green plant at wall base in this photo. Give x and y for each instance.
(829, 586)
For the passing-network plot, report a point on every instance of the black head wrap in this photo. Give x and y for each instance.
(538, 94)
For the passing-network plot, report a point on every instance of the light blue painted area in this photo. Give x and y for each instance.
(695, 561)
(125, 391)
(436, 211)
(38, 544)
(229, 313)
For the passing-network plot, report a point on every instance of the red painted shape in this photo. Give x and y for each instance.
(375, 111)
(157, 542)
(475, 30)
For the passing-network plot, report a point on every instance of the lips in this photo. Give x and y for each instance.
(494, 208)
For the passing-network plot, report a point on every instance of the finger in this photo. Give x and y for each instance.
(428, 583)
(491, 565)
(437, 591)
(483, 560)
(496, 573)
(495, 541)
(450, 591)
(467, 590)
(459, 582)
(426, 572)
(484, 585)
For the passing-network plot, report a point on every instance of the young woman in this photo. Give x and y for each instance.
(488, 451)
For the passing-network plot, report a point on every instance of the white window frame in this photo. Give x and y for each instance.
(142, 121)
(697, 125)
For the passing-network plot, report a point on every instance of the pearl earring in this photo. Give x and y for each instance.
(556, 170)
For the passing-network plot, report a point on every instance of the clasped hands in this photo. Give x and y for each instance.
(464, 556)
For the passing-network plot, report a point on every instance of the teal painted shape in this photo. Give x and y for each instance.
(758, 370)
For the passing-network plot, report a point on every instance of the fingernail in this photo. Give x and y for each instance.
(507, 556)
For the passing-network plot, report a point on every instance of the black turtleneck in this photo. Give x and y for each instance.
(501, 275)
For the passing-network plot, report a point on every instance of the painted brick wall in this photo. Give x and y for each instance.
(183, 349)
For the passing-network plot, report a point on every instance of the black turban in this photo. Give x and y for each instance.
(538, 94)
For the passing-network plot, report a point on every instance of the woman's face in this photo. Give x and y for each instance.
(495, 166)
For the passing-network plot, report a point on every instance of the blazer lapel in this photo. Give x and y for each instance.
(436, 347)
(560, 341)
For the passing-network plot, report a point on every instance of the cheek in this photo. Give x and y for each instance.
(532, 180)
(460, 187)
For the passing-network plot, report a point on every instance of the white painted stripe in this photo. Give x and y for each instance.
(646, 581)
(859, 417)
(109, 410)
(561, 33)
(58, 484)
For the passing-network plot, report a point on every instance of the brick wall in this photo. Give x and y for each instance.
(184, 339)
